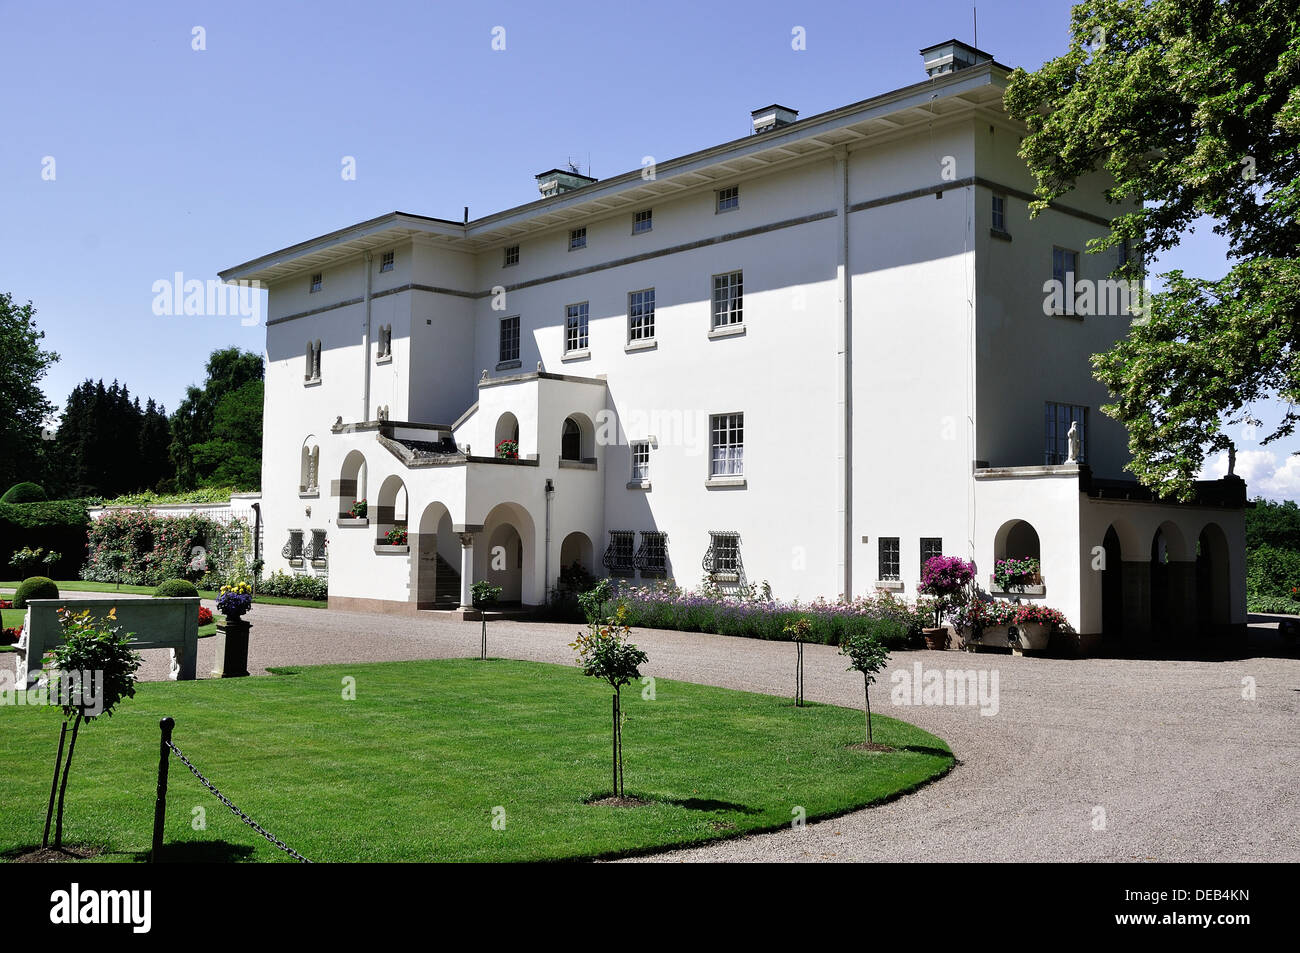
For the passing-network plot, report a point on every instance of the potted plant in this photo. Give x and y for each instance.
(232, 634)
(1013, 575)
(358, 511)
(508, 450)
(1032, 626)
(945, 579)
(981, 620)
(396, 536)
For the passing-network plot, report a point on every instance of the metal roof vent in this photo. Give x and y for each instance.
(555, 181)
(773, 117)
(951, 56)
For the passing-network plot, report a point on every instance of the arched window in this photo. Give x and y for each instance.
(309, 472)
(571, 441)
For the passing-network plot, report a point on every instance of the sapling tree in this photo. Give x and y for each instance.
(91, 672)
(485, 594)
(868, 655)
(797, 631)
(605, 652)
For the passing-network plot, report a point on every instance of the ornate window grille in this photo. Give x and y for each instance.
(652, 557)
(292, 550)
(722, 558)
(315, 550)
(618, 555)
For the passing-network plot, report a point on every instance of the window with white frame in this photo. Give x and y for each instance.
(386, 261)
(728, 299)
(640, 461)
(641, 315)
(728, 198)
(578, 238)
(509, 339)
(889, 552)
(575, 327)
(642, 221)
(727, 445)
(999, 213)
(316, 281)
(931, 546)
(511, 256)
(652, 557)
(1056, 432)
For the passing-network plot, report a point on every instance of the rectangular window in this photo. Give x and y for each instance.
(640, 461)
(1056, 432)
(1065, 268)
(575, 327)
(641, 221)
(999, 213)
(652, 557)
(641, 315)
(386, 261)
(1122, 254)
(931, 546)
(509, 339)
(728, 198)
(619, 559)
(578, 238)
(727, 445)
(728, 299)
(316, 282)
(889, 550)
(512, 256)
(722, 559)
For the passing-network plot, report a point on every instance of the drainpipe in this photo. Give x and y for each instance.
(546, 558)
(844, 386)
(365, 351)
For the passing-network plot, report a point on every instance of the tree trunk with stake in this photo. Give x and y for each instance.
(63, 787)
(54, 785)
(866, 691)
(798, 674)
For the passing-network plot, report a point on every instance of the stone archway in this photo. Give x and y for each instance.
(505, 554)
(436, 565)
(1112, 588)
(1213, 581)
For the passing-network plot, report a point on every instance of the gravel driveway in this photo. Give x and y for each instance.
(1084, 760)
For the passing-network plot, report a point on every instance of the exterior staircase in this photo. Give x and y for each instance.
(447, 590)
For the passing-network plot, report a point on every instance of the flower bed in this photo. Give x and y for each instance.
(669, 607)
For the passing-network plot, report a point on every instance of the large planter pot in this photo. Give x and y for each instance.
(232, 648)
(935, 638)
(1029, 637)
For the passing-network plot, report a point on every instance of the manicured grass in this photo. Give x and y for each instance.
(12, 618)
(413, 768)
(80, 585)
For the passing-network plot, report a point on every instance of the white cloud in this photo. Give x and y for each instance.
(1267, 473)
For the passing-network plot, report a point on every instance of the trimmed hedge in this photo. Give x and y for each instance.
(59, 525)
(37, 587)
(25, 493)
(176, 589)
(287, 586)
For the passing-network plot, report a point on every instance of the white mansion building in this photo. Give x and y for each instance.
(815, 356)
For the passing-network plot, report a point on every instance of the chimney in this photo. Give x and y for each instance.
(772, 117)
(556, 181)
(951, 56)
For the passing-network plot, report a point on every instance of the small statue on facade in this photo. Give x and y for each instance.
(1232, 459)
(1073, 440)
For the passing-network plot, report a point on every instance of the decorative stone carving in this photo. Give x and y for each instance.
(484, 377)
(1073, 438)
(466, 539)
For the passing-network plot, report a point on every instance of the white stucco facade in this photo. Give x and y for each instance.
(891, 359)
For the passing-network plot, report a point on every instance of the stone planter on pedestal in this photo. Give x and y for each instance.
(232, 648)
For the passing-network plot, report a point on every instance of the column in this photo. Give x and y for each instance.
(466, 570)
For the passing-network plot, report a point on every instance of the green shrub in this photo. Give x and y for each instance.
(58, 526)
(24, 493)
(175, 589)
(1272, 605)
(289, 586)
(143, 548)
(37, 587)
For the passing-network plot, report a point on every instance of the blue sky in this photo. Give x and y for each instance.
(168, 159)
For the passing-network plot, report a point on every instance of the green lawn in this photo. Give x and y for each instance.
(80, 585)
(413, 769)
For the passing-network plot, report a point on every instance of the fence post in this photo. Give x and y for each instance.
(160, 801)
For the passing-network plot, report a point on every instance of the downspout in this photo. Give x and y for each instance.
(546, 557)
(844, 396)
(365, 351)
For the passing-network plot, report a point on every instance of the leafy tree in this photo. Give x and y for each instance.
(867, 654)
(108, 445)
(89, 646)
(204, 456)
(605, 652)
(485, 594)
(24, 407)
(1192, 107)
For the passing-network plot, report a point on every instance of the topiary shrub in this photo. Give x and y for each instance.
(24, 493)
(175, 589)
(37, 587)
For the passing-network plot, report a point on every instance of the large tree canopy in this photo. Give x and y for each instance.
(23, 405)
(1193, 109)
(107, 444)
(214, 440)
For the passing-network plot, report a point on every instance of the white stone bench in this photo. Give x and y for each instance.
(151, 623)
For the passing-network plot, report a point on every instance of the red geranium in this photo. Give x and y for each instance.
(205, 615)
